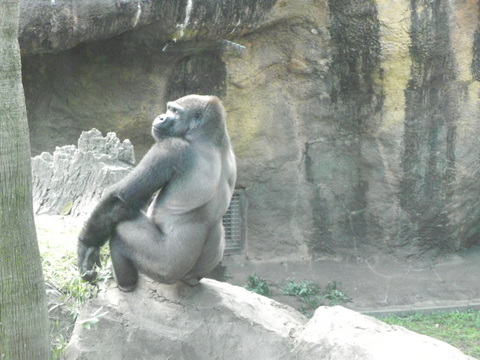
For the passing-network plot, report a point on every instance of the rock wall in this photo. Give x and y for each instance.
(354, 121)
(364, 135)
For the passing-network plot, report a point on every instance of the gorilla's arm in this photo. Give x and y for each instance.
(96, 231)
(125, 199)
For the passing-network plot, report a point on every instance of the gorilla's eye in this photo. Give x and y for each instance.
(198, 116)
(174, 110)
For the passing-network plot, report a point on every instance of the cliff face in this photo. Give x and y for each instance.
(355, 122)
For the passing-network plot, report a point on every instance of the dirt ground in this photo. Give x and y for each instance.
(384, 285)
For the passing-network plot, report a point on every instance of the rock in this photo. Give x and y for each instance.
(220, 321)
(346, 334)
(211, 321)
(55, 25)
(72, 180)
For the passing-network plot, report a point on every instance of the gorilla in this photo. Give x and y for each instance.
(190, 172)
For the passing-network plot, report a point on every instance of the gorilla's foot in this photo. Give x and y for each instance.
(191, 281)
(126, 286)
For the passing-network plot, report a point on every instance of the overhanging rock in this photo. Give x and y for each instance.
(56, 25)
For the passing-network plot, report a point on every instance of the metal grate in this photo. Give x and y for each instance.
(233, 222)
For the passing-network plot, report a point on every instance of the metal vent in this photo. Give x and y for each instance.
(234, 223)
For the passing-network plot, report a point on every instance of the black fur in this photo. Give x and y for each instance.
(181, 236)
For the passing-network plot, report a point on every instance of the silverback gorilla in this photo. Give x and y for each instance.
(191, 169)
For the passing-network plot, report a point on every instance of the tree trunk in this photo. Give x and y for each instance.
(23, 311)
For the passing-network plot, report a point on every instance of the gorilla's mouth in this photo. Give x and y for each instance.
(157, 130)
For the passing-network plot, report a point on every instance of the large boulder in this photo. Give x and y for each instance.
(220, 321)
(338, 333)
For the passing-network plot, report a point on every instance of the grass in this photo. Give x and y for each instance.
(460, 329)
(62, 273)
(59, 260)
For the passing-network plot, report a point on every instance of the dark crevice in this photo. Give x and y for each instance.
(428, 161)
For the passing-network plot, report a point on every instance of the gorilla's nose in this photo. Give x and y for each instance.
(160, 119)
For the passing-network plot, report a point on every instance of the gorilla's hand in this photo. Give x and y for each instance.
(88, 257)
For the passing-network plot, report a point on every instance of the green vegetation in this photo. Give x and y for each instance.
(335, 295)
(58, 345)
(60, 273)
(301, 289)
(258, 285)
(91, 322)
(460, 329)
(309, 294)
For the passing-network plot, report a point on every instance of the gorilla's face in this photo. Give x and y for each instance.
(164, 125)
(183, 116)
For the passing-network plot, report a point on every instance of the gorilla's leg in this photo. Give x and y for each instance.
(139, 244)
(211, 254)
(124, 271)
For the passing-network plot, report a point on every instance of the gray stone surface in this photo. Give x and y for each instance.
(72, 180)
(337, 334)
(219, 321)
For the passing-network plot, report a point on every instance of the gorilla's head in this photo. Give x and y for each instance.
(192, 117)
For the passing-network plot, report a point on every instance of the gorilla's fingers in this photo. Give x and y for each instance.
(88, 258)
(89, 276)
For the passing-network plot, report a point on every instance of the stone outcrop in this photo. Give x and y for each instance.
(220, 321)
(72, 180)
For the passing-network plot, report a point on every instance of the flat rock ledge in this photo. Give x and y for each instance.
(216, 320)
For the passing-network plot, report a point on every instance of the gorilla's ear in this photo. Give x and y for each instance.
(215, 101)
(215, 109)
